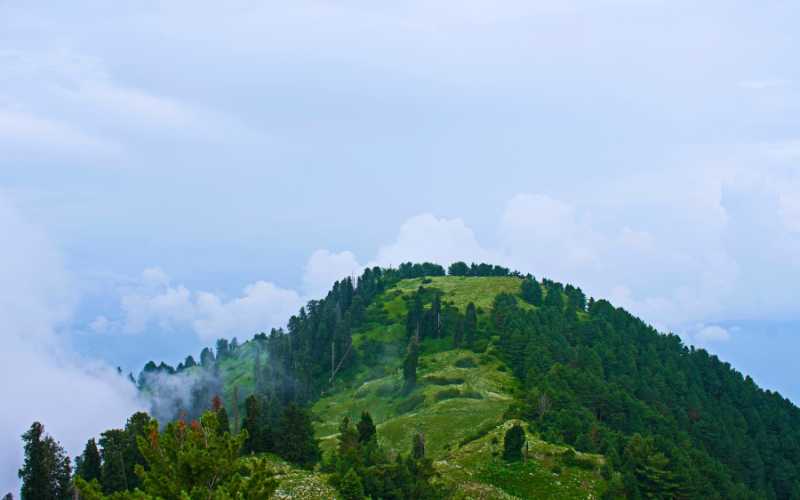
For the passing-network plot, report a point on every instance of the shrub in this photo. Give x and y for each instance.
(471, 394)
(481, 431)
(513, 442)
(447, 394)
(570, 458)
(385, 390)
(437, 380)
(465, 362)
(410, 403)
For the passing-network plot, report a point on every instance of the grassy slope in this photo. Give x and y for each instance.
(472, 468)
(463, 434)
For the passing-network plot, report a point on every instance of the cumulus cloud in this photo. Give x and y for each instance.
(74, 398)
(153, 301)
(710, 334)
(426, 237)
(324, 267)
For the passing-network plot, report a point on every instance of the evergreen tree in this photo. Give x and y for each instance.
(45, 472)
(351, 487)
(195, 461)
(531, 291)
(418, 446)
(470, 325)
(366, 428)
(223, 423)
(206, 357)
(513, 442)
(410, 365)
(252, 425)
(458, 269)
(223, 349)
(89, 462)
(115, 473)
(297, 442)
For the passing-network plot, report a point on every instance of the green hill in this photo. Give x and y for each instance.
(610, 407)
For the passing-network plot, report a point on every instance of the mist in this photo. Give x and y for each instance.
(43, 380)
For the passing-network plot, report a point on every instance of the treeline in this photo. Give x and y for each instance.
(362, 469)
(139, 462)
(673, 421)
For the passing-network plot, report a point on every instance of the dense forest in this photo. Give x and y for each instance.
(670, 421)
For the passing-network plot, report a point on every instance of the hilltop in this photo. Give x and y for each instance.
(608, 405)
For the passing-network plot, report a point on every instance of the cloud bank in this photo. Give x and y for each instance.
(42, 380)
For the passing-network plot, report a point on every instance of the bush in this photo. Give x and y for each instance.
(479, 433)
(447, 394)
(570, 458)
(385, 390)
(471, 394)
(513, 442)
(465, 362)
(410, 403)
(437, 380)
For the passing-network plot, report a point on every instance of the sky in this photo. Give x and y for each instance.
(175, 172)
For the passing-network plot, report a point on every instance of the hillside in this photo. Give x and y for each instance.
(609, 406)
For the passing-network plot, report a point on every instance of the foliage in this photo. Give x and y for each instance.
(194, 461)
(45, 472)
(88, 465)
(513, 442)
(362, 468)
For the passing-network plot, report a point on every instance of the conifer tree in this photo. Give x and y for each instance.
(223, 423)
(418, 446)
(366, 428)
(351, 487)
(470, 325)
(45, 472)
(89, 462)
(531, 291)
(297, 443)
(513, 442)
(410, 365)
(252, 425)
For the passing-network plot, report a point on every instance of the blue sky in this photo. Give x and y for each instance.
(172, 172)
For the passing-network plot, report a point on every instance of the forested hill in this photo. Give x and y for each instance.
(611, 407)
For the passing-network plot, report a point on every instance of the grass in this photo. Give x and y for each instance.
(399, 416)
(480, 461)
(460, 290)
(458, 405)
(299, 484)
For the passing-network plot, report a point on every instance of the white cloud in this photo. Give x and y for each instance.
(710, 334)
(324, 268)
(154, 302)
(74, 398)
(261, 307)
(429, 238)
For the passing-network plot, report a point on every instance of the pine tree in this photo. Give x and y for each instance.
(297, 443)
(470, 325)
(513, 442)
(114, 471)
(223, 423)
(252, 424)
(418, 446)
(89, 462)
(410, 365)
(458, 269)
(45, 472)
(366, 428)
(351, 487)
(531, 291)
